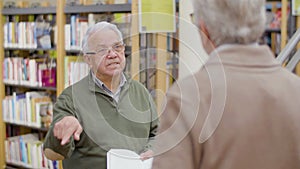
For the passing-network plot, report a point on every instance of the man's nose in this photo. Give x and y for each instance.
(112, 53)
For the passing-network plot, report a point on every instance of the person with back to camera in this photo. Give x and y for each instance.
(104, 110)
(241, 109)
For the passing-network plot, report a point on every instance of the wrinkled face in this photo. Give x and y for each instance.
(106, 56)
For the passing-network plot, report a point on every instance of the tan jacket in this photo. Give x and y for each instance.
(247, 111)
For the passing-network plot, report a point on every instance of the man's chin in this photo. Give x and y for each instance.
(116, 72)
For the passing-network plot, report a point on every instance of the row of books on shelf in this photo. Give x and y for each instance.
(22, 35)
(47, 3)
(78, 25)
(37, 72)
(75, 69)
(30, 72)
(36, 32)
(75, 31)
(31, 109)
(27, 150)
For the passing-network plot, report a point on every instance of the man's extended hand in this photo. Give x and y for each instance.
(67, 127)
(146, 155)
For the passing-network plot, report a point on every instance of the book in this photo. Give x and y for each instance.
(30, 107)
(43, 32)
(45, 111)
(75, 69)
(41, 106)
(49, 77)
(123, 158)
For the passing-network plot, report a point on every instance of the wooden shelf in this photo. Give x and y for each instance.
(114, 8)
(32, 87)
(28, 126)
(28, 11)
(273, 30)
(15, 166)
(30, 49)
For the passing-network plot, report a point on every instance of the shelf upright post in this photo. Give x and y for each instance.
(273, 35)
(284, 6)
(2, 93)
(60, 47)
(161, 72)
(135, 42)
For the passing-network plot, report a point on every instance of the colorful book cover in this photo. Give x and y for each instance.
(49, 77)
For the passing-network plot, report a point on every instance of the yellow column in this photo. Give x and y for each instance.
(60, 49)
(135, 41)
(284, 6)
(61, 21)
(273, 35)
(2, 94)
(161, 73)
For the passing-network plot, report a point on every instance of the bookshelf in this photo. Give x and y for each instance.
(278, 21)
(289, 24)
(21, 127)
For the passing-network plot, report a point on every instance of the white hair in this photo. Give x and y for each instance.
(100, 26)
(232, 21)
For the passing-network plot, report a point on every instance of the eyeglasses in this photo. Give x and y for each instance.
(104, 51)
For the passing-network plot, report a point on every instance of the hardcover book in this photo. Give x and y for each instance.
(123, 158)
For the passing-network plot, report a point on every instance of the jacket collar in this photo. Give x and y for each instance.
(93, 87)
(243, 55)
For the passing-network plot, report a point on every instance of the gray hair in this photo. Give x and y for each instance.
(100, 26)
(232, 21)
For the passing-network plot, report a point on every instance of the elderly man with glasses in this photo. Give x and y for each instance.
(103, 111)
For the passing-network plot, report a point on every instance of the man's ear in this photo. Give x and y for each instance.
(203, 28)
(87, 60)
(208, 45)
